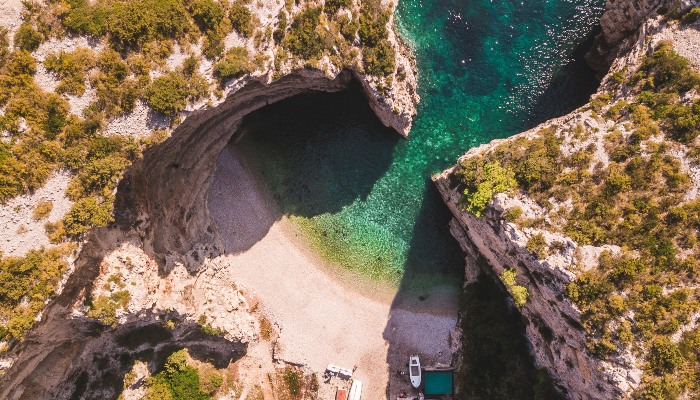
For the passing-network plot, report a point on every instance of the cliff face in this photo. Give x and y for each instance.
(556, 220)
(620, 24)
(164, 244)
(554, 326)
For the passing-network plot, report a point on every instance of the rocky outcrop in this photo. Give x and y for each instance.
(161, 210)
(620, 25)
(553, 323)
(163, 195)
(560, 343)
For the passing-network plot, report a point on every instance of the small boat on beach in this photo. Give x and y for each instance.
(355, 390)
(414, 371)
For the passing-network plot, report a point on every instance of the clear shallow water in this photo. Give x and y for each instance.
(487, 69)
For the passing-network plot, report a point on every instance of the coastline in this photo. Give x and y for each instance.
(324, 314)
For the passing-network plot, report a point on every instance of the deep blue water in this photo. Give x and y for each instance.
(487, 69)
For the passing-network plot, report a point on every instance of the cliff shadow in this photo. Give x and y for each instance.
(304, 156)
(445, 321)
(424, 312)
(571, 86)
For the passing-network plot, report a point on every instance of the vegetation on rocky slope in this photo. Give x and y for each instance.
(26, 283)
(636, 299)
(41, 135)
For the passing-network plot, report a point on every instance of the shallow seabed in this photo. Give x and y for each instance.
(488, 69)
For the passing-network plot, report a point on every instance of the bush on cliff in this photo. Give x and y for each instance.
(177, 381)
(27, 38)
(208, 14)
(331, 7)
(167, 94)
(691, 16)
(25, 284)
(380, 59)
(71, 68)
(128, 24)
(302, 40)
(482, 181)
(234, 64)
(242, 19)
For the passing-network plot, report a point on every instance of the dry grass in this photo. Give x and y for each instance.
(266, 329)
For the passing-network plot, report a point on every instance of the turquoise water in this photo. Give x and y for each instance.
(487, 69)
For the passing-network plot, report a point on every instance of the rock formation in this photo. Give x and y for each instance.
(162, 218)
(555, 324)
(621, 23)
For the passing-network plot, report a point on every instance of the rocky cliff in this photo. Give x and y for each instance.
(160, 261)
(620, 27)
(547, 213)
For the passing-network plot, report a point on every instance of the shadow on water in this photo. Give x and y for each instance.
(315, 153)
(571, 86)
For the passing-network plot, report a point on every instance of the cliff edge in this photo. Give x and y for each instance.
(589, 220)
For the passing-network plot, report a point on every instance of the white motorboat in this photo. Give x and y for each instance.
(414, 371)
(355, 390)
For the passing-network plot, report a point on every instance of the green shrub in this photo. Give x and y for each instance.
(208, 14)
(128, 24)
(241, 19)
(104, 308)
(496, 179)
(86, 213)
(668, 70)
(26, 283)
(211, 382)
(683, 122)
(134, 23)
(213, 44)
(234, 64)
(27, 38)
(293, 380)
(331, 7)
(71, 68)
(116, 93)
(519, 293)
(537, 246)
(167, 94)
(512, 214)
(4, 44)
(379, 60)
(664, 357)
(281, 29)
(86, 18)
(691, 16)
(348, 27)
(302, 40)
(373, 21)
(178, 381)
(42, 209)
(665, 388)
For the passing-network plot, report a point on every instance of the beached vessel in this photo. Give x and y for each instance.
(355, 390)
(414, 371)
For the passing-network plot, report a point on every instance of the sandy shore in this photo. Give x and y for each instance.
(323, 317)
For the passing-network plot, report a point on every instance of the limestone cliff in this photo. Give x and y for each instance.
(555, 222)
(162, 255)
(621, 23)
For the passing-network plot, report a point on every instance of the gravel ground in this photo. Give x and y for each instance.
(19, 231)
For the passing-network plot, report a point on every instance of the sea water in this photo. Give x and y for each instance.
(487, 69)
